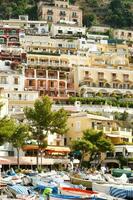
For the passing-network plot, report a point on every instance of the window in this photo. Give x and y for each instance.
(59, 45)
(129, 34)
(2, 40)
(60, 31)
(16, 80)
(101, 84)
(77, 126)
(41, 83)
(1, 32)
(65, 141)
(69, 32)
(114, 75)
(115, 85)
(100, 75)
(19, 96)
(74, 14)
(62, 13)
(10, 153)
(109, 154)
(49, 12)
(50, 18)
(3, 80)
(125, 77)
(51, 84)
(13, 32)
(30, 82)
(58, 143)
(118, 154)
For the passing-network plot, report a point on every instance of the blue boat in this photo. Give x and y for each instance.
(65, 197)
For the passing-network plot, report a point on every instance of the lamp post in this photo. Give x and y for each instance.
(127, 158)
(31, 164)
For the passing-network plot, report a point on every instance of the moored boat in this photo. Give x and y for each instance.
(79, 181)
(65, 197)
(76, 192)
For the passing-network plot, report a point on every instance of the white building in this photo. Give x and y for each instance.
(10, 79)
(64, 29)
(31, 27)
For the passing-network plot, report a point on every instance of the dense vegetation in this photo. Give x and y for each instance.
(112, 101)
(14, 8)
(115, 13)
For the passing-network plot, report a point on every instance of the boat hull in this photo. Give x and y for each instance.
(78, 181)
(76, 192)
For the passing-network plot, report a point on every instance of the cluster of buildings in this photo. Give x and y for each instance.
(58, 57)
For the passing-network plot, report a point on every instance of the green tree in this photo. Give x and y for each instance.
(84, 146)
(18, 138)
(43, 121)
(119, 14)
(7, 128)
(89, 19)
(94, 143)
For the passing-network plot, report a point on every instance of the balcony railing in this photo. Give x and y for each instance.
(95, 85)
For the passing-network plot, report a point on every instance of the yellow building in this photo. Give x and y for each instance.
(79, 122)
(107, 72)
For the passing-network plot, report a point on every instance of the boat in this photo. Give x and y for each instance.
(124, 191)
(119, 172)
(79, 181)
(64, 197)
(76, 192)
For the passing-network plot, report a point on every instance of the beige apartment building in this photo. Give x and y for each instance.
(92, 80)
(121, 34)
(60, 11)
(107, 71)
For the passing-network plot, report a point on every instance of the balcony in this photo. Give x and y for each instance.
(30, 87)
(29, 75)
(41, 87)
(52, 77)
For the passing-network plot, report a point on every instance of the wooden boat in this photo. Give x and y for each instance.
(79, 181)
(76, 192)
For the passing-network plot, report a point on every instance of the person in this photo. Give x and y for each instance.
(46, 193)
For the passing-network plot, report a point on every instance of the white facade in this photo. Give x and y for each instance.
(4, 108)
(10, 79)
(38, 42)
(35, 27)
(67, 30)
(54, 138)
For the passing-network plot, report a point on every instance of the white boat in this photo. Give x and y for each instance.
(124, 191)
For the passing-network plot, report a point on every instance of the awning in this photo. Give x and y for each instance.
(115, 136)
(4, 161)
(49, 148)
(129, 149)
(52, 149)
